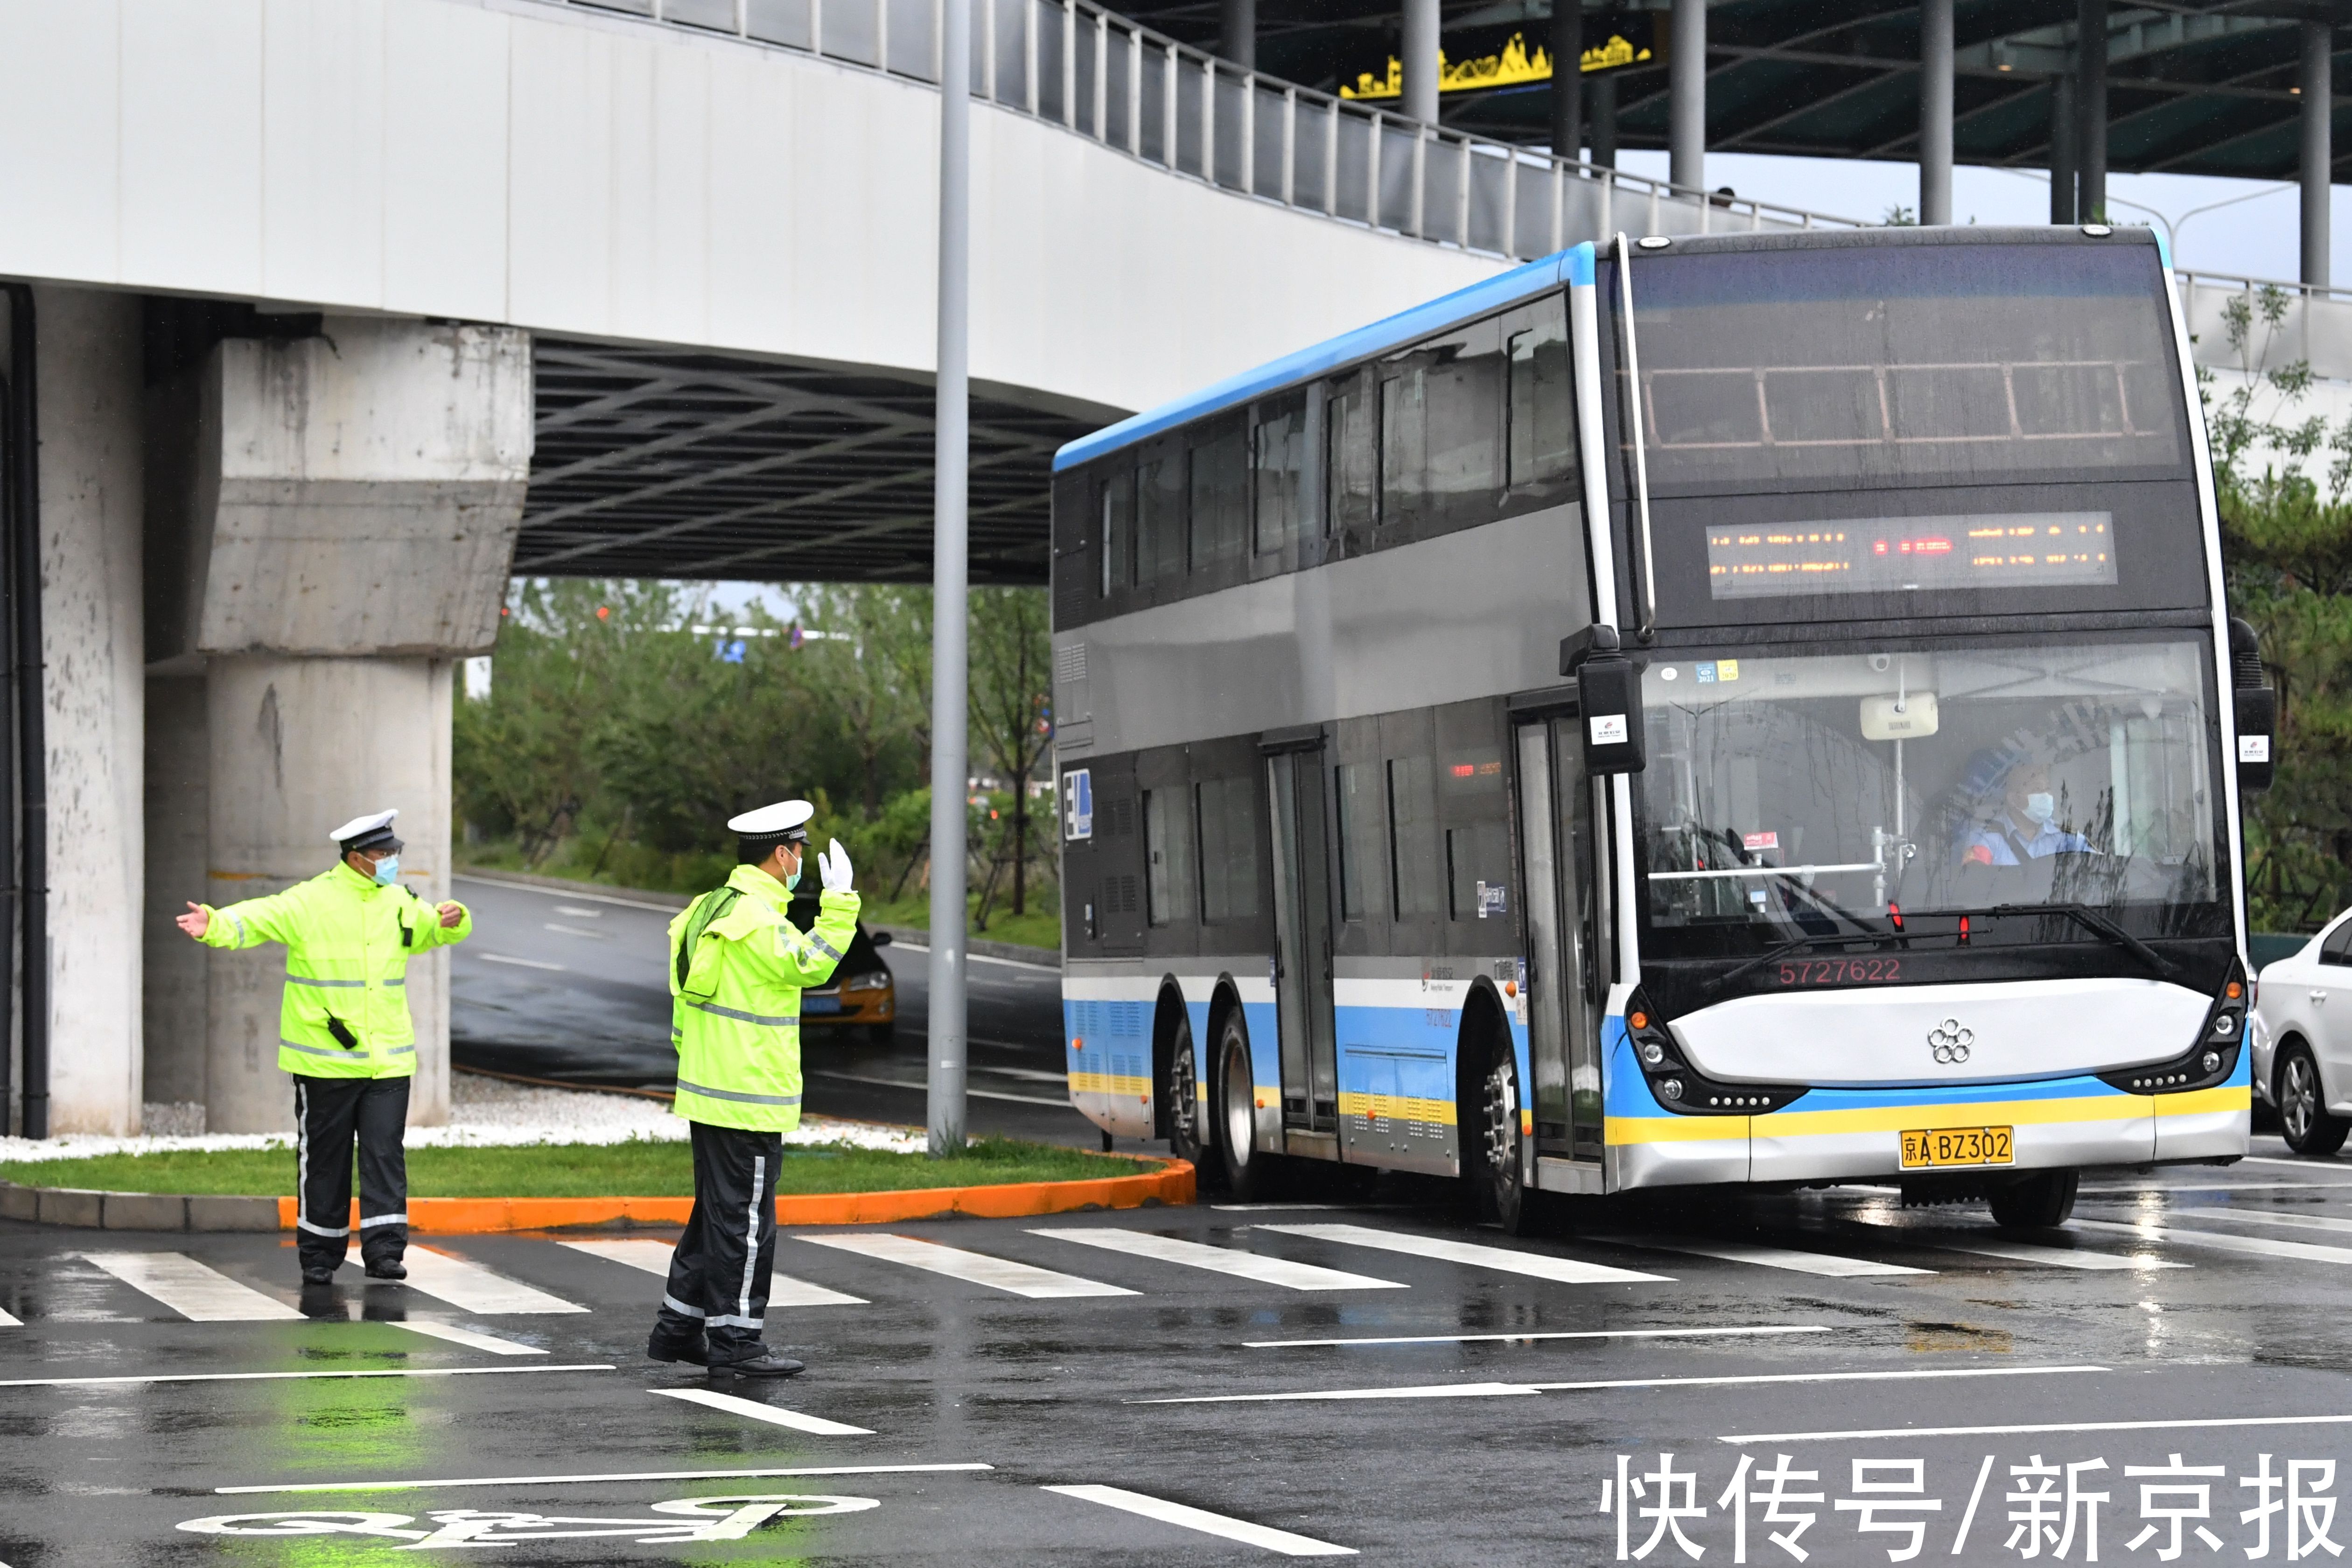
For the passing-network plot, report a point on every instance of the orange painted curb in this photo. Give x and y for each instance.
(1173, 1182)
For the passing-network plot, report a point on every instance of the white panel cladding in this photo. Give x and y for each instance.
(1435, 621)
(579, 173)
(2016, 1030)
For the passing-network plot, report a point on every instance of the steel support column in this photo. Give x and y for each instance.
(952, 454)
(1420, 53)
(1687, 97)
(1567, 78)
(1936, 111)
(1237, 32)
(2091, 109)
(2318, 111)
(2065, 167)
(1603, 95)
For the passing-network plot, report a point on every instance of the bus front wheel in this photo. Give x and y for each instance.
(2037, 1202)
(1503, 1194)
(1245, 1166)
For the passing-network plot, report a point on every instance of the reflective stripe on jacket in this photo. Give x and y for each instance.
(348, 944)
(735, 1019)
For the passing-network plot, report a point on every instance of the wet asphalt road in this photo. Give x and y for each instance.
(1916, 1367)
(569, 986)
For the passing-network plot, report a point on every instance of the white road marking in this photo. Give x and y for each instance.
(653, 1257)
(1513, 1338)
(200, 1294)
(295, 1376)
(1482, 1390)
(2201, 1421)
(472, 1338)
(1293, 1208)
(568, 893)
(520, 963)
(8, 1321)
(470, 1287)
(2295, 1164)
(1207, 1524)
(2161, 1188)
(575, 931)
(2056, 1257)
(2256, 1216)
(2258, 1246)
(576, 912)
(1062, 1103)
(1765, 1256)
(987, 958)
(1031, 1075)
(1221, 1259)
(973, 1267)
(587, 1480)
(1565, 1270)
(759, 1411)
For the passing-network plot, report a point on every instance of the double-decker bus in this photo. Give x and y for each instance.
(1756, 709)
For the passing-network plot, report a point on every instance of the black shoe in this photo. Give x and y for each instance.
(766, 1364)
(312, 1275)
(387, 1268)
(690, 1349)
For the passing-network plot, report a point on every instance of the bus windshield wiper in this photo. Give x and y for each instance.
(2099, 925)
(1800, 944)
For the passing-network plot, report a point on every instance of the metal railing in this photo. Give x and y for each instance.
(1072, 64)
(2315, 326)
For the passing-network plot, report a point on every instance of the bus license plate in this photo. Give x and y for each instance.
(1958, 1146)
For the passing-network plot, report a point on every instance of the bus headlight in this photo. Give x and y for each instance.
(1672, 1089)
(1653, 1053)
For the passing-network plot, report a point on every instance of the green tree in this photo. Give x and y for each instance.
(1011, 693)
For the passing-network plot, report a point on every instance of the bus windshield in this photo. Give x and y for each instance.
(1934, 365)
(1823, 792)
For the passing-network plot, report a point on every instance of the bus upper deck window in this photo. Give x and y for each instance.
(1277, 458)
(1542, 423)
(1352, 458)
(1118, 534)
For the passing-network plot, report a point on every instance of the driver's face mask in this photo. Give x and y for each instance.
(2041, 805)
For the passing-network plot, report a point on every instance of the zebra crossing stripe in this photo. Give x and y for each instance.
(1821, 1263)
(972, 1267)
(2258, 1246)
(196, 1292)
(774, 1415)
(1539, 1265)
(653, 1257)
(1207, 1524)
(473, 1339)
(8, 1321)
(1219, 1259)
(470, 1287)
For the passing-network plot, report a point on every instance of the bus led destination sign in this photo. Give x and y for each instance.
(1900, 554)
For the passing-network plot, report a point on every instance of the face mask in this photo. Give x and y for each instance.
(2041, 805)
(793, 881)
(386, 870)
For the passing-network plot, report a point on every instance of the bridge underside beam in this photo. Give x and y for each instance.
(671, 463)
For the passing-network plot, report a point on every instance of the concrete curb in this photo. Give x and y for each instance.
(1172, 1183)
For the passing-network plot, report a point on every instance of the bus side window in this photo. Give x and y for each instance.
(1228, 818)
(1413, 839)
(1542, 421)
(1160, 519)
(1352, 458)
(1219, 509)
(1118, 534)
(1277, 463)
(1362, 853)
(1404, 443)
(1168, 856)
(1464, 409)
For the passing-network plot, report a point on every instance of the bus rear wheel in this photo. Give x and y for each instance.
(1503, 1193)
(2037, 1202)
(1245, 1168)
(1183, 1096)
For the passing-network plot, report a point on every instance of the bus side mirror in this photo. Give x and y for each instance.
(2255, 704)
(1608, 700)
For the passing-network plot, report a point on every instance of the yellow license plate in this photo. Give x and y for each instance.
(1958, 1146)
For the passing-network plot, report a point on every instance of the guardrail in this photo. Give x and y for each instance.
(1094, 73)
(2315, 322)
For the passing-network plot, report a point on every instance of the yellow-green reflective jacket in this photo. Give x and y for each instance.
(348, 944)
(735, 1014)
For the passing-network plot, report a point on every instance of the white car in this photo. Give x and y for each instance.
(2302, 1039)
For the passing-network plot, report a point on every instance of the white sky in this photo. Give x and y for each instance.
(2256, 238)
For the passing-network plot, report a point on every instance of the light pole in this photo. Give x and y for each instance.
(948, 521)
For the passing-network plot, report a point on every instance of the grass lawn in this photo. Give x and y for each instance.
(642, 1170)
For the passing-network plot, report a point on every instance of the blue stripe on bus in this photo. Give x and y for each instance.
(1479, 299)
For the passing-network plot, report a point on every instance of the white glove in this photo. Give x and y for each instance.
(834, 867)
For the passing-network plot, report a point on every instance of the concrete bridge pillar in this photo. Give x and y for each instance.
(348, 518)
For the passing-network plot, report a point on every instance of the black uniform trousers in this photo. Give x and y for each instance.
(329, 1113)
(719, 1274)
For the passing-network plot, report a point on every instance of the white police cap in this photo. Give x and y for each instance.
(786, 818)
(368, 832)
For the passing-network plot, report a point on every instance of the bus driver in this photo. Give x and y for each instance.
(2022, 827)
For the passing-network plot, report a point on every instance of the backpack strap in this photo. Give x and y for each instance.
(712, 906)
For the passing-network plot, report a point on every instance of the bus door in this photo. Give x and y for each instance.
(1302, 951)
(1563, 991)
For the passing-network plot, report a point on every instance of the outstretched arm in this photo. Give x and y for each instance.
(248, 923)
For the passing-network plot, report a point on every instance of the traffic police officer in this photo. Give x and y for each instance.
(344, 1033)
(737, 967)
